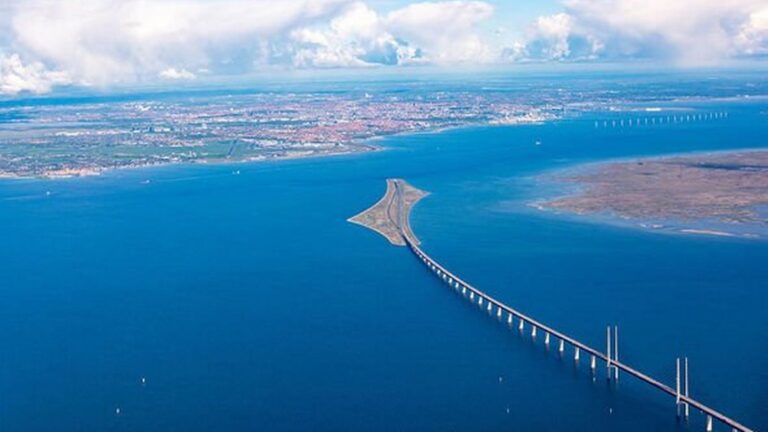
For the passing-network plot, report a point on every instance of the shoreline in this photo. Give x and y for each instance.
(95, 172)
(362, 146)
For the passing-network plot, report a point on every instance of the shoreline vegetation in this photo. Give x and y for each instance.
(70, 173)
(364, 146)
(718, 194)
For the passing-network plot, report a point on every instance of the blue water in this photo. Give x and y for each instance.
(248, 303)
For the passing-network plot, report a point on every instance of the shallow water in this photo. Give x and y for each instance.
(247, 302)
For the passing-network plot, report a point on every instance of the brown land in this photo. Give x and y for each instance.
(728, 187)
(390, 215)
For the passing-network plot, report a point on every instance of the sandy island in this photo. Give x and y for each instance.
(730, 188)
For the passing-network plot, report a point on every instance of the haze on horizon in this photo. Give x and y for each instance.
(46, 44)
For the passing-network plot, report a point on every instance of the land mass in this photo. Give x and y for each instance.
(729, 188)
(82, 137)
(390, 215)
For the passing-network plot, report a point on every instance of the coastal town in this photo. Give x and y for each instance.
(91, 136)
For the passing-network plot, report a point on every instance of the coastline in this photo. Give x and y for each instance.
(86, 172)
(362, 146)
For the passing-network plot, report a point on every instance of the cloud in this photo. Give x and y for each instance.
(358, 37)
(430, 32)
(446, 31)
(44, 43)
(105, 42)
(177, 74)
(102, 42)
(753, 35)
(690, 32)
(17, 77)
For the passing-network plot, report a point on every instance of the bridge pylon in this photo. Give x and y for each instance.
(612, 355)
(681, 387)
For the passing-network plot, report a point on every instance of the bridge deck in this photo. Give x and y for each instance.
(404, 208)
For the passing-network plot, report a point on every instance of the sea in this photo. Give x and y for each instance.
(189, 298)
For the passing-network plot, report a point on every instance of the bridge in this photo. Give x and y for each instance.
(394, 210)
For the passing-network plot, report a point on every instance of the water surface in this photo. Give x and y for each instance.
(247, 302)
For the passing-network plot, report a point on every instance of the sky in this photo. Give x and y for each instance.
(48, 44)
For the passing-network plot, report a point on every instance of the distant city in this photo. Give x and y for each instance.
(69, 136)
(88, 138)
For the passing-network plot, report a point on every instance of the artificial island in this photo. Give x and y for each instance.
(390, 215)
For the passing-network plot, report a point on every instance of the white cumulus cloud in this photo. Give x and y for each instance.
(44, 43)
(105, 42)
(102, 42)
(177, 74)
(446, 31)
(753, 35)
(358, 37)
(17, 77)
(429, 32)
(689, 32)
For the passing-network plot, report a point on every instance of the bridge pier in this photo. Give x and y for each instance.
(546, 339)
(709, 423)
(480, 300)
(490, 307)
(593, 363)
(471, 295)
(522, 325)
(464, 290)
(533, 332)
(498, 312)
(576, 354)
(509, 319)
(562, 346)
